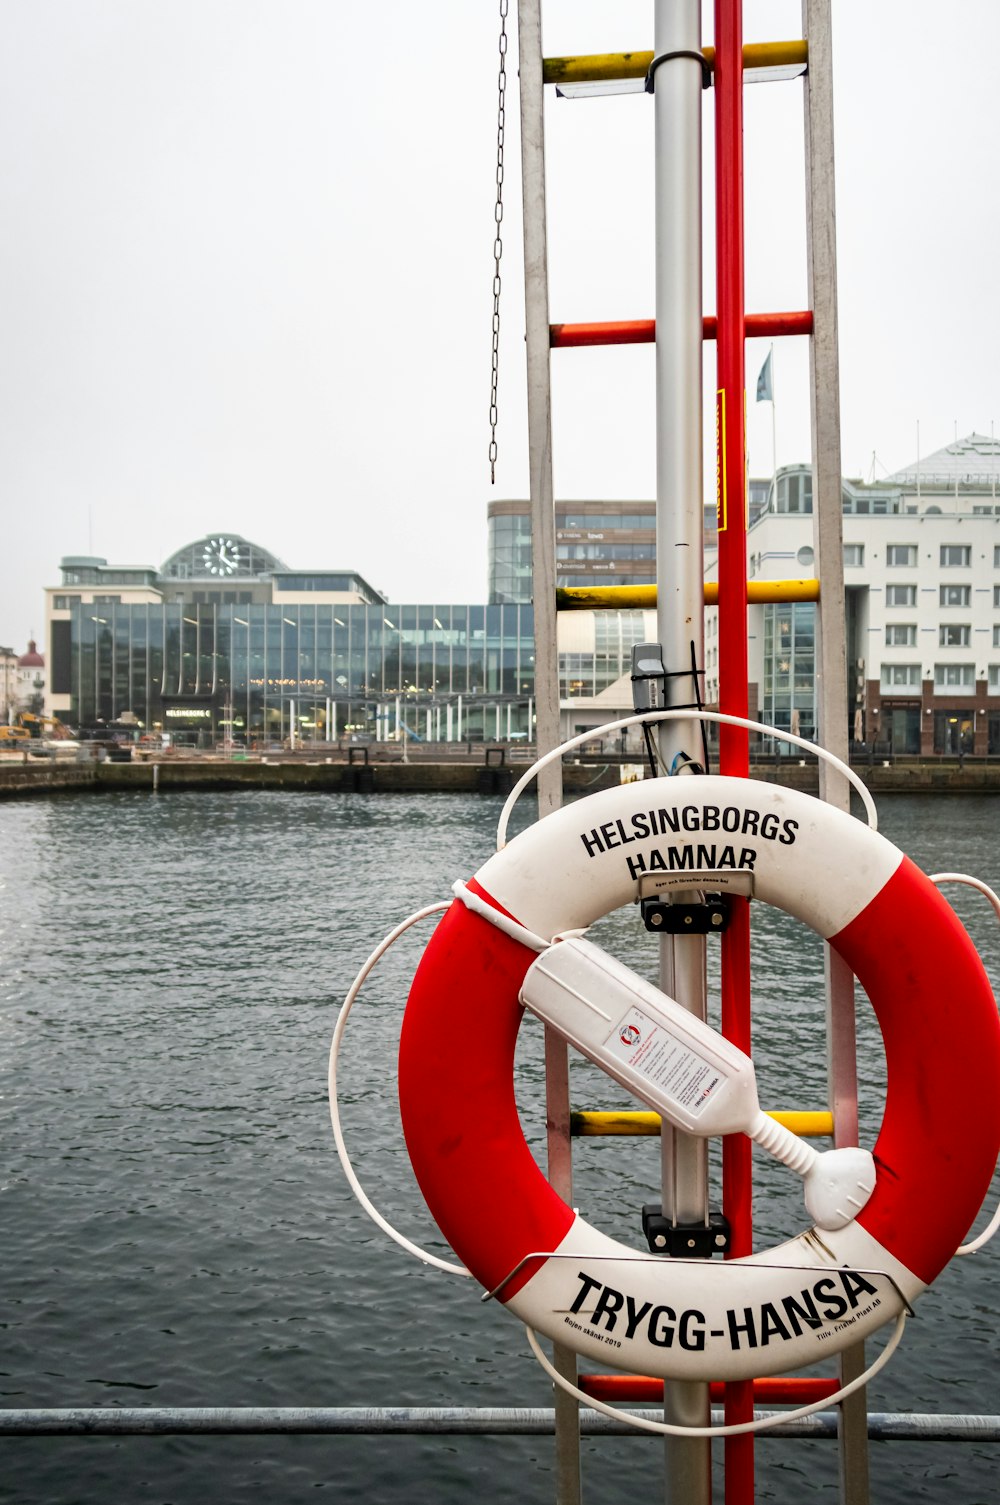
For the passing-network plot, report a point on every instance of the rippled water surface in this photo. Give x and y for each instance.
(176, 1227)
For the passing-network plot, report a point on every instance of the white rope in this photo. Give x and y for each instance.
(685, 715)
(734, 1429)
(506, 923)
(983, 888)
(509, 926)
(345, 1159)
(976, 883)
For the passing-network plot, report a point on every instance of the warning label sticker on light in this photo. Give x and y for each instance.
(679, 1073)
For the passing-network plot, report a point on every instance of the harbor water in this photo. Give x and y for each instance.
(176, 1227)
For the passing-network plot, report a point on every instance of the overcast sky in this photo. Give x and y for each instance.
(245, 271)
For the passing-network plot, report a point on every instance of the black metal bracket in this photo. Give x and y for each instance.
(710, 917)
(665, 57)
(685, 1240)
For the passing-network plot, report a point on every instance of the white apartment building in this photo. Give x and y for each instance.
(922, 582)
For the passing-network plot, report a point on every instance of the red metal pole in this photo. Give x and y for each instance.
(733, 741)
(643, 331)
(626, 1389)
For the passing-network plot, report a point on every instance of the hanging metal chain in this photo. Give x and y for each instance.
(497, 239)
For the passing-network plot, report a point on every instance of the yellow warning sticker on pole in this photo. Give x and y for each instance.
(720, 458)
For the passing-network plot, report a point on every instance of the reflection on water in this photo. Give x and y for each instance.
(177, 1230)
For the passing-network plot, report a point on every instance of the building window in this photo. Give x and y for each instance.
(956, 555)
(996, 637)
(955, 677)
(896, 677)
(954, 635)
(795, 492)
(996, 556)
(955, 595)
(994, 678)
(901, 595)
(854, 555)
(64, 603)
(901, 635)
(789, 685)
(901, 555)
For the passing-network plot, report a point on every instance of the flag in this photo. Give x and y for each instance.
(765, 389)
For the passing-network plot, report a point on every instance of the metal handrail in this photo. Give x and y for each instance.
(165, 1421)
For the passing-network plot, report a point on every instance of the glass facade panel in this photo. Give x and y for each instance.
(202, 671)
(788, 691)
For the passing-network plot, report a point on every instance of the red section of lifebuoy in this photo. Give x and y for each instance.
(937, 1145)
(456, 1096)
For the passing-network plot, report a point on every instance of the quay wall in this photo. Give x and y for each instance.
(42, 777)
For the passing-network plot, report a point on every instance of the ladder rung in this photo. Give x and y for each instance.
(643, 331)
(589, 1125)
(776, 1389)
(643, 597)
(606, 66)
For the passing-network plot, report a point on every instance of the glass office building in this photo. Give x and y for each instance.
(597, 543)
(225, 642)
(203, 670)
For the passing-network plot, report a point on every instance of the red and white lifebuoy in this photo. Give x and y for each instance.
(813, 1295)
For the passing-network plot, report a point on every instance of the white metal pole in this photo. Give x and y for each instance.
(679, 588)
(831, 625)
(536, 337)
(543, 549)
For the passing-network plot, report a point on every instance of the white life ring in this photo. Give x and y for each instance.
(701, 1320)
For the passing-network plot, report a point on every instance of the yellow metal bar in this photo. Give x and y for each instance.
(605, 597)
(591, 1125)
(807, 1125)
(643, 597)
(607, 66)
(759, 592)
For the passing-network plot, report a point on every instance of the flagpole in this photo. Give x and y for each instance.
(774, 441)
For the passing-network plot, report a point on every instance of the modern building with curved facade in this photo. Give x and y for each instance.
(226, 640)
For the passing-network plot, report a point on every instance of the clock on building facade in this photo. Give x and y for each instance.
(221, 555)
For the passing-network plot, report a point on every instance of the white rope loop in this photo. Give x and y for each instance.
(719, 719)
(335, 1044)
(732, 1429)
